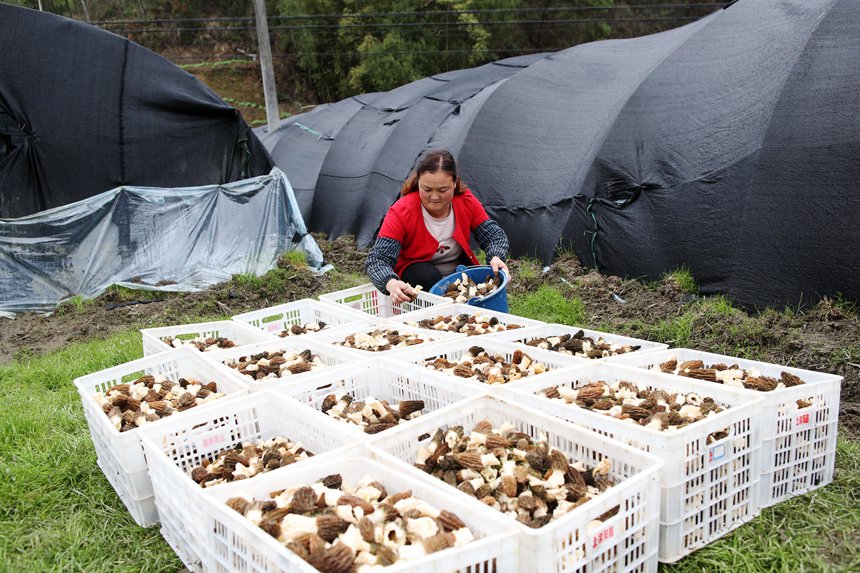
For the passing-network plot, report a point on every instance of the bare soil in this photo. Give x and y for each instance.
(825, 338)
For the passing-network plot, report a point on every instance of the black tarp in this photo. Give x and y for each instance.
(730, 145)
(83, 111)
(348, 160)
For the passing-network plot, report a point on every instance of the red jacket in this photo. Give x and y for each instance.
(405, 224)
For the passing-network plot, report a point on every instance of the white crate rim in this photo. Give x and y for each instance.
(337, 334)
(85, 384)
(368, 367)
(340, 311)
(461, 308)
(810, 377)
(424, 298)
(479, 387)
(247, 401)
(557, 329)
(292, 343)
(554, 360)
(243, 332)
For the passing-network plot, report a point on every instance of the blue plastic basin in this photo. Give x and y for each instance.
(498, 300)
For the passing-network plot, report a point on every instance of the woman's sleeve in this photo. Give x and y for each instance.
(392, 228)
(492, 239)
(380, 262)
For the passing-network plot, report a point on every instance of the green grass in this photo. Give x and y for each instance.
(215, 64)
(115, 293)
(274, 282)
(529, 269)
(550, 305)
(684, 279)
(296, 258)
(58, 512)
(341, 281)
(819, 531)
(77, 302)
(121, 293)
(676, 331)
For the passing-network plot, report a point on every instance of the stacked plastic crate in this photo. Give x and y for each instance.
(120, 455)
(177, 448)
(203, 336)
(672, 491)
(799, 414)
(615, 530)
(367, 299)
(709, 484)
(303, 317)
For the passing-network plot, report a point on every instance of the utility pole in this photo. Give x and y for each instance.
(265, 50)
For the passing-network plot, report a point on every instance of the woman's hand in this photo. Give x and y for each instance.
(496, 263)
(400, 291)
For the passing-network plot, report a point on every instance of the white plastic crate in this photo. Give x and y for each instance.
(120, 452)
(625, 542)
(706, 489)
(329, 355)
(143, 510)
(237, 332)
(176, 447)
(236, 545)
(335, 335)
(504, 318)
(547, 330)
(382, 379)
(367, 299)
(276, 319)
(798, 444)
(453, 350)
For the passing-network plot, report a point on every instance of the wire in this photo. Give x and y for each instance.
(401, 52)
(717, 4)
(410, 25)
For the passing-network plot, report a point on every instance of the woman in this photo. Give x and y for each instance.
(425, 234)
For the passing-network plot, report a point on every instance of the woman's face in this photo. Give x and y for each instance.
(436, 191)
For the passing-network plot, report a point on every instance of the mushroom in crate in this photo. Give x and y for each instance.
(512, 472)
(579, 344)
(381, 339)
(372, 415)
(469, 324)
(150, 398)
(275, 364)
(488, 367)
(247, 460)
(339, 527)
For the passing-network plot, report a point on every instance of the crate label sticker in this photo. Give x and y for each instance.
(211, 442)
(802, 419)
(601, 537)
(717, 453)
(273, 327)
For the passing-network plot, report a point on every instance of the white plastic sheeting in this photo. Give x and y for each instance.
(190, 237)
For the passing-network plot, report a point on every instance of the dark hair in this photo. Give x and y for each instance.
(432, 161)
